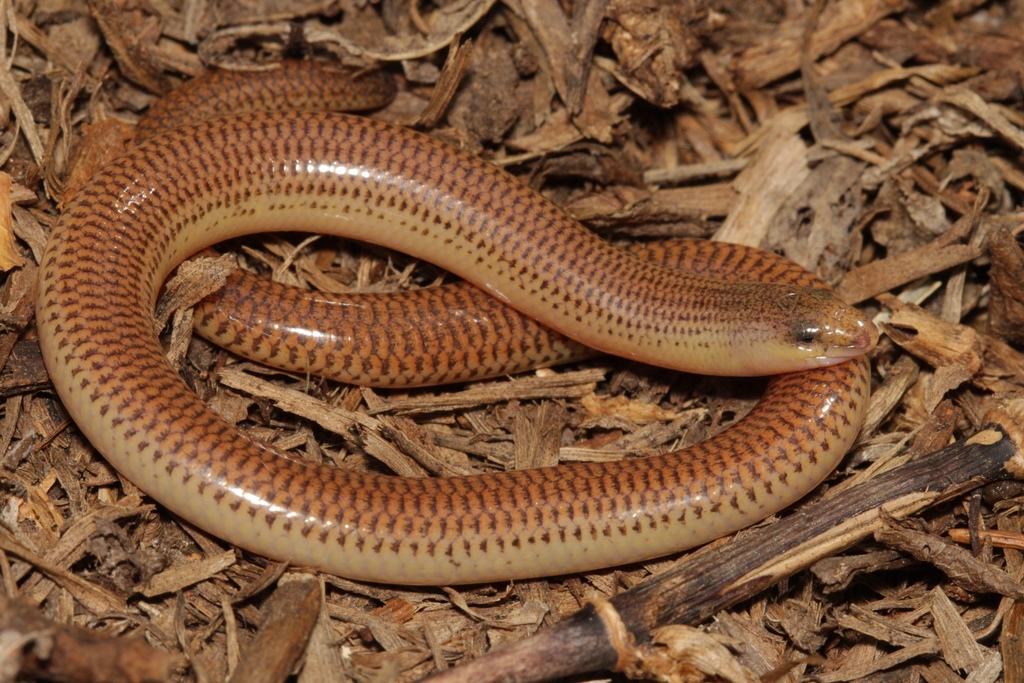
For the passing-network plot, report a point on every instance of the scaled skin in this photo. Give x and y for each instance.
(180, 192)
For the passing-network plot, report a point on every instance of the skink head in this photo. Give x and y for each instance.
(827, 331)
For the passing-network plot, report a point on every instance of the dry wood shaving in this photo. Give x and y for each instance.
(877, 142)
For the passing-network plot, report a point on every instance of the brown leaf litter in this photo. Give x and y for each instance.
(877, 142)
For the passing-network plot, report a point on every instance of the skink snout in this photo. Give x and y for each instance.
(850, 334)
(863, 336)
(866, 335)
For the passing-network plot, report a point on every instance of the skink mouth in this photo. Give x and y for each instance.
(863, 339)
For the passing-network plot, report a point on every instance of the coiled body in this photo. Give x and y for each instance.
(183, 191)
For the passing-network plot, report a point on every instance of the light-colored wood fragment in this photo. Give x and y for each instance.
(959, 648)
(763, 187)
(186, 574)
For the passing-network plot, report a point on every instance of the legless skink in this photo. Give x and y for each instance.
(182, 191)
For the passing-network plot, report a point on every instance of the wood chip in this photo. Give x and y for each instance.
(877, 142)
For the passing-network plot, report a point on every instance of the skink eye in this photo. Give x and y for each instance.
(805, 333)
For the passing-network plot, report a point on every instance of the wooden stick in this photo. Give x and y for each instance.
(41, 649)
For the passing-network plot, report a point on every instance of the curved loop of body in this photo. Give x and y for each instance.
(182, 191)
